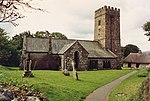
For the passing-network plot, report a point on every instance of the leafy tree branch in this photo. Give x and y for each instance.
(10, 10)
(146, 27)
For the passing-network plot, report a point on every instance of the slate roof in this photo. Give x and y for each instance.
(137, 58)
(59, 46)
(37, 44)
(95, 50)
(92, 47)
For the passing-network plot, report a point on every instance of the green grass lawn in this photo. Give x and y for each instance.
(128, 90)
(57, 87)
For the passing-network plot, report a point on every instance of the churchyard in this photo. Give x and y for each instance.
(57, 87)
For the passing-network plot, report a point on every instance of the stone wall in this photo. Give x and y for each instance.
(101, 65)
(45, 61)
(145, 94)
(145, 90)
(112, 61)
(69, 57)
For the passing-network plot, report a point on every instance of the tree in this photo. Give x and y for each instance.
(40, 34)
(10, 49)
(10, 10)
(55, 35)
(4, 49)
(58, 35)
(122, 53)
(130, 49)
(146, 27)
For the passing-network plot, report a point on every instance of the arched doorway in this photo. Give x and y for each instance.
(76, 59)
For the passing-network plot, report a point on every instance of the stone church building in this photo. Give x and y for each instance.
(57, 54)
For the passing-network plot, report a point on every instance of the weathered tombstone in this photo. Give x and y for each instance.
(75, 74)
(65, 71)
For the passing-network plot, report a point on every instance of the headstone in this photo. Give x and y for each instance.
(75, 74)
(27, 70)
(65, 71)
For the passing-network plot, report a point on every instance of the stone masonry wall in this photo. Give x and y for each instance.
(45, 61)
(145, 94)
(112, 61)
(69, 56)
(100, 63)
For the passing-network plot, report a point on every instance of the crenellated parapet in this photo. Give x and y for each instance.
(107, 10)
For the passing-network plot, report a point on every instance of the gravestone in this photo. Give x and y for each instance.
(75, 74)
(65, 71)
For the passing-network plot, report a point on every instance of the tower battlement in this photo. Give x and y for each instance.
(108, 10)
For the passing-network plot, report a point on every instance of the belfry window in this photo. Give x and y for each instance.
(99, 25)
(99, 22)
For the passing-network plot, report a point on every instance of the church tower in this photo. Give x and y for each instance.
(107, 29)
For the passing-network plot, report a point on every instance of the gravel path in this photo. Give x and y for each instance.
(101, 94)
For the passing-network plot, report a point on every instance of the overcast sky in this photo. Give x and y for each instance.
(75, 19)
